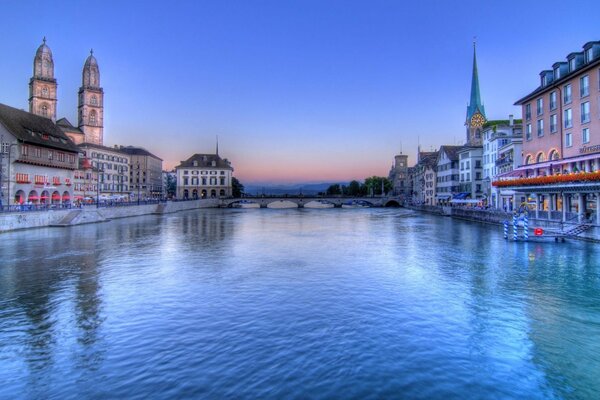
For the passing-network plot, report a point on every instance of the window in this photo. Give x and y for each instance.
(567, 94)
(553, 101)
(528, 112)
(556, 73)
(540, 106)
(93, 118)
(569, 139)
(540, 158)
(568, 118)
(586, 135)
(572, 64)
(528, 160)
(528, 132)
(540, 127)
(94, 100)
(222, 181)
(45, 91)
(44, 110)
(50, 155)
(553, 123)
(589, 55)
(585, 112)
(584, 86)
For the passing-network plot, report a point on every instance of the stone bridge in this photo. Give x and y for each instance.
(300, 201)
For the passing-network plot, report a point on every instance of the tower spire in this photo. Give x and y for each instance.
(475, 99)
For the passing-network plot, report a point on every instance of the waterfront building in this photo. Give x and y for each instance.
(204, 176)
(471, 173)
(425, 178)
(561, 146)
(145, 172)
(112, 166)
(84, 181)
(37, 160)
(502, 141)
(398, 176)
(447, 174)
(475, 118)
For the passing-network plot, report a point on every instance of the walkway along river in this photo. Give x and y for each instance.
(270, 304)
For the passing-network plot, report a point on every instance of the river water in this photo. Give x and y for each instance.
(271, 304)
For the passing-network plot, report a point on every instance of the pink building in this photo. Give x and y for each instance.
(561, 140)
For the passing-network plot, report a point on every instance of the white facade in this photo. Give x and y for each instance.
(447, 174)
(471, 172)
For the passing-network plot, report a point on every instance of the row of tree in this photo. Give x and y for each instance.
(370, 187)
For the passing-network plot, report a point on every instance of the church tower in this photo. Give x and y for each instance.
(42, 85)
(91, 103)
(475, 110)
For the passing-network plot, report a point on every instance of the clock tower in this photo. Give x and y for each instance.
(475, 110)
(91, 103)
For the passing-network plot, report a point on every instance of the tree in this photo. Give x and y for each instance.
(237, 189)
(374, 183)
(171, 185)
(353, 188)
(334, 189)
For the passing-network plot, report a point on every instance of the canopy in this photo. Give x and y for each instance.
(461, 196)
(468, 201)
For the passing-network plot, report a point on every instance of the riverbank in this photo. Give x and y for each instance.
(498, 218)
(90, 214)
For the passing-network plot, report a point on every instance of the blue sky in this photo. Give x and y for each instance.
(296, 90)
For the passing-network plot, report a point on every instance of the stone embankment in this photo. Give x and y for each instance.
(90, 214)
(498, 218)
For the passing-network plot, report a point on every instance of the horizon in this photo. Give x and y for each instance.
(297, 93)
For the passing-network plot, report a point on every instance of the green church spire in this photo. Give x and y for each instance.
(475, 101)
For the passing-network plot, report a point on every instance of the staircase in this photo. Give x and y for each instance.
(577, 230)
(68, 219)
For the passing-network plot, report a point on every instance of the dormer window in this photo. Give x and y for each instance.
(572, 64)
(195, 163)
(214, 163)
(556, 73)
(589, 55)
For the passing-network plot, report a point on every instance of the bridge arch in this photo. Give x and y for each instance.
(392, 203)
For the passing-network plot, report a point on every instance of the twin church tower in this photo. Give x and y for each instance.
(90, 110)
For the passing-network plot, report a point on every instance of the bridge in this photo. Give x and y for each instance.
(301, 201)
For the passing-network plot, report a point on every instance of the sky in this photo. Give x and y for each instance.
(296, 91)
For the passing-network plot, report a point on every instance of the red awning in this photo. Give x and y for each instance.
(33, 197)
(66, 196)
(56, 196)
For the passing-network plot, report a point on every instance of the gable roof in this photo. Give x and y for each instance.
(65, 125)
(34, 129)
(138, 151)
(451, 151)
(205, 161)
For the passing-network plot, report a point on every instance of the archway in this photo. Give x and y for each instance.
(213, 193)
(45, 197)
(33, 197)
(195, 194)
(222, 193)
(19, 197)
(66, 197)
(392, 203)
(55, 197)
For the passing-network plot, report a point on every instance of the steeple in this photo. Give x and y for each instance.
(91, 102)
(475, 100)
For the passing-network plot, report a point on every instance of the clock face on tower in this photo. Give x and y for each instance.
(477, 120)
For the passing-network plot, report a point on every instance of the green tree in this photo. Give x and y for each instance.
(171, 186)
(237, 189)
(373, 185)
(353, 189)
(334, 189)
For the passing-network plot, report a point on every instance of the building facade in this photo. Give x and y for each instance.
(398, 176)
(471, 173)
(145, 173)
(204, 176)
(561, 146)
(37, 161)
(447, 174)
(112, 166)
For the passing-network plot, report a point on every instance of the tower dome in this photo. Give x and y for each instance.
(43, 64)
(91, 72)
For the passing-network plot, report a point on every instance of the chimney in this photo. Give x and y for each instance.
(511, 121)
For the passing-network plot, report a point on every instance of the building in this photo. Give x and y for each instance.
(502, 141)
(37, 159)
(112, 166)
(85, 181)
(561, 146)
(424, 181)
(145, 172)
(475, 118)
(398, 176)
(471, 174)
(447, 174)
(204, 176)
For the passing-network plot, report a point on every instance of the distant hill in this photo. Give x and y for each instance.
(308, 189)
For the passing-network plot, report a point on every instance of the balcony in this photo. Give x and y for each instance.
(504, 161)
(578, 178)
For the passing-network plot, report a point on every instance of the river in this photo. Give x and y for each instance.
(271, 304)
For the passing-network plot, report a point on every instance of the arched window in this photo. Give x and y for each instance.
(45, 91)
(540, 158)
(528, 160)
(93, 118)
(553, 156)
(94, 101)
(44, 110)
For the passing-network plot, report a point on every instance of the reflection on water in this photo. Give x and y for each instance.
(296, 303)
